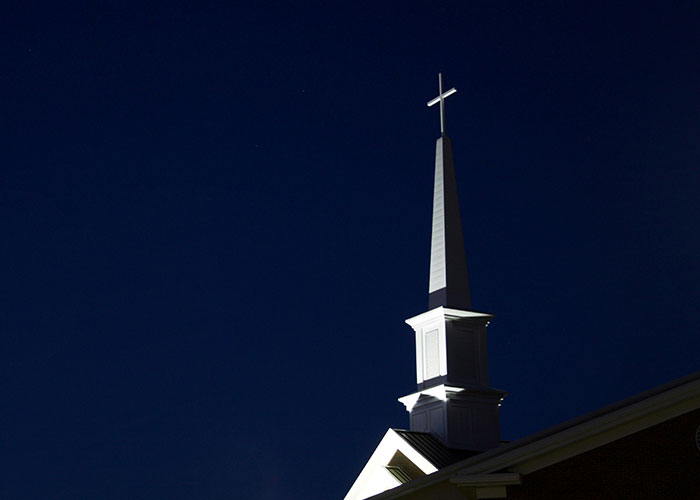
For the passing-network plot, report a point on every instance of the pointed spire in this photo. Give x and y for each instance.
(449, 285)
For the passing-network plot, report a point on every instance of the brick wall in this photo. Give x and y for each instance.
(662, 462)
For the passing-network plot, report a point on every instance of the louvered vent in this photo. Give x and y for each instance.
(400, 474)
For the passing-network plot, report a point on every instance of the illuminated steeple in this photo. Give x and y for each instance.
(448, 286)
(454, 401)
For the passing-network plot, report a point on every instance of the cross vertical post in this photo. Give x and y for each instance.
(442, 105)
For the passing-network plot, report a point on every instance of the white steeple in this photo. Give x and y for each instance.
(454, 401)
(449, 285)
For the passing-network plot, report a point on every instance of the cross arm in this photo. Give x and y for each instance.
(443, 96)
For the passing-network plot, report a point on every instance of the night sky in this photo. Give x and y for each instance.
(215, 219)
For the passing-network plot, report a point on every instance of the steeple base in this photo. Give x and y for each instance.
(461, 418)
(454, 401)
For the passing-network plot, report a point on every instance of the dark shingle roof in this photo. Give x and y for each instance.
(433, 450)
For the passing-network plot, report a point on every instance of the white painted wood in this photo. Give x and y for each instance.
(374, 478)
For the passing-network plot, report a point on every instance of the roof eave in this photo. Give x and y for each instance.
(608, 423)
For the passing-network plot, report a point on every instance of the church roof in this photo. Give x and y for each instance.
(432, 449)
(569, 438)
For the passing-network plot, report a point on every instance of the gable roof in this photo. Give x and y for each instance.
(375, 477)
(569, 438)
(437, 453)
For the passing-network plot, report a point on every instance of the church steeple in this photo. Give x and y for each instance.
(454, 401)
(449, 285)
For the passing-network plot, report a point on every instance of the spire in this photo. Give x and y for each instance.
(449, 285)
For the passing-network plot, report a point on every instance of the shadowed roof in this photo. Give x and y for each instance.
(433, 450)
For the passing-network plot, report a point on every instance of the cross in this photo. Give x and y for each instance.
(441, 99)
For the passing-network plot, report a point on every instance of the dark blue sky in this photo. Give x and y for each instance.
(216, 217)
